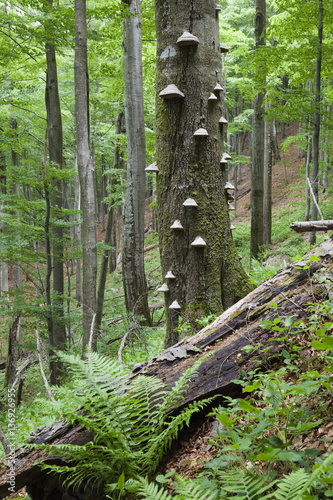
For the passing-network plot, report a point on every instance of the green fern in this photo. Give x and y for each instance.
(129, 418)
(191, 490)
(292, 486)
(151, 491)
(246, 486)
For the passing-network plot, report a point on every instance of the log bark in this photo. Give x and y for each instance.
(313, 225)
(291, 289)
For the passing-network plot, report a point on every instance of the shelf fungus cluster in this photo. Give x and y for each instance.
(188, 39)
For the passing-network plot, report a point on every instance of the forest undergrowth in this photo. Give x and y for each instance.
(276, 442)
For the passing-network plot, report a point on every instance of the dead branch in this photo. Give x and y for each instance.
(39, 353)
(312, 225)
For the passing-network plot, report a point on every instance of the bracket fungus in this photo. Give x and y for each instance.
(223, 160)
(177, 225)
(198, 242)
(169, 275)
(187, 39)
(174, 305)
(228, 185)
(152, 167)
(163, 288)
(171, 92)
(212, 97)
(201, 132)
(224, 48)
(223, 120)
(227, 156)
(232, 227)
(218, 88)
(190, 203)
(217, 8)
(231, 206)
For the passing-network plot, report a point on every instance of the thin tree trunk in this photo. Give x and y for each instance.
(135, 285)
(55, 139)
(4, 284)
(307, 176)
(268, 181)
(17, 270)
(12, 352)
(48, 273)
(103, 270)
(316, 133)
(86, 175)
(77, 237)
(257, 177)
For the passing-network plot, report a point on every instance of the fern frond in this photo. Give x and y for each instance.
(292, 486)
(246, 486)
(151, 491)
(192, 490)
(164, 435)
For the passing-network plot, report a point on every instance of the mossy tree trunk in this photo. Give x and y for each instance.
(316, 132)
(257, 172)
(208, 279)
(55, 143)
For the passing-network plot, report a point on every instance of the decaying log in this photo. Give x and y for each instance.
(312, 225)
(292, 289)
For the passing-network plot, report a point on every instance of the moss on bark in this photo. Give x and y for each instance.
(208, 279)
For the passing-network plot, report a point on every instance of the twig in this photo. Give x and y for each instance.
(47, 387)
(92, 330)
(21, 369)
(122, 345)
(294, 303)
(314, 198)
(30, 111)
(4, 441)
(155, 269)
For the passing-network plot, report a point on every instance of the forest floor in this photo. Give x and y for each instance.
(193, 451)
(190, 454)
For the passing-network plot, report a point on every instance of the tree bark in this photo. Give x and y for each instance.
(316, 132)
(268, 165)
(257, 174)
(135, 285)
(12, 353)
(55, 141)
(86, 175)
(304, 227)
(208, 279)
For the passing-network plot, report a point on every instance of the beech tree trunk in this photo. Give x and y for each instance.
(316, 132)
(55, 141)
(268, 165)
(207, 279)
(135, 285)
(86, 175)
(4, 285)
(257, 174)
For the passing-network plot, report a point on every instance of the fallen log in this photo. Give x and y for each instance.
(312, 225)
(291, 289)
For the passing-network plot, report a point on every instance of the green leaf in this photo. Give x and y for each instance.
(325, 345)
(246, 406)
(225, 420)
